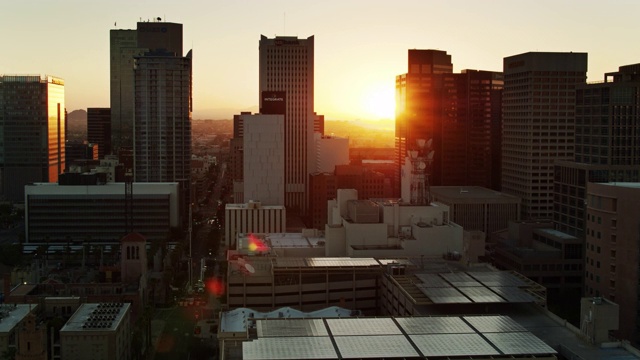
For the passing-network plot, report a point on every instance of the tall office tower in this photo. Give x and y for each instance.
(461, 113)
(32, 136)
(538, 110)
(287, 66)
(99, 129)
(163, 104)
(124, 46)
(607, 145)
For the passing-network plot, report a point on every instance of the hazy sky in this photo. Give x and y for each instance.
(360, 45)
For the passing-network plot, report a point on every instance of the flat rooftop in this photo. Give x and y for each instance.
(12, 314)
(96, 317)
(473, 194)
(432, 337)
(239, 320)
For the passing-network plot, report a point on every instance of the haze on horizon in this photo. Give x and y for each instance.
(359, 47)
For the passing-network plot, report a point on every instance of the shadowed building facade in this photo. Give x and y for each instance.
(538, 110)
(287, 67)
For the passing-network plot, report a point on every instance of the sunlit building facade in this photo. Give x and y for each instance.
(287, 67)
(32, 132)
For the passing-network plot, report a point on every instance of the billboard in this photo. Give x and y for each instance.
(273, 102)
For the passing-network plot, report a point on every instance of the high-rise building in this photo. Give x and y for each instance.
(124, 46)
(461, 113)
(162, 134)
(32, 132)
(99, 129)
(287, 68)
(538, 110)
(606, 146)
(612, 250)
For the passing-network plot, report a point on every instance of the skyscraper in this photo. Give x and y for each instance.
(162, 135)
(32, 132)
(607, 144)
(99, 129)
(287, 65)
(538, 110)
(124, 46)
(461, 113)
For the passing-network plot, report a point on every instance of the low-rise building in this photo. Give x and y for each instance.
(252, 217)
(101, 331)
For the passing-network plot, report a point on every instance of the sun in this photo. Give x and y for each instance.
(380, 102)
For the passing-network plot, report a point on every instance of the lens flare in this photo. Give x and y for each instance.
(215, 286)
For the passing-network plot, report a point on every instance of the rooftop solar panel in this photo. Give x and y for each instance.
(453, 345)
(380, 346)
(481, 294)
(434, 325)
(515, 343)
(289, 348)
(494, 324)
(363, 326)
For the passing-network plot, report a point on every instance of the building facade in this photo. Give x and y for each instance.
(99, 129)
(100, 329)
(478, 209)
(612, 250)
(264, 160)
(606, 146)
(32, 141)
(287, 67)
(538, 107)
(96, 213)
(460, 113)
(124, 46)
(252, 217)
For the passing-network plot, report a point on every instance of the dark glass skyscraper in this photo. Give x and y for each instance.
(32, 132)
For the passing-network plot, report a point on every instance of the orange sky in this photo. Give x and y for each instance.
(360, 45)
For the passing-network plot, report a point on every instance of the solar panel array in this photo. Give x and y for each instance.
(400, 337)
(473, 287)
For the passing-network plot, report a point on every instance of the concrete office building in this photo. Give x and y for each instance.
(124, 46)
(324, 186)
(252, 217)
(264, 159)
(100, 329)
(287, 71)
(612, 249)
(607, 148)
(32, 141)
(307, 284)
(389, 228)
(538, 109)
(331, 151)
(478, 209)
(96, 213)
(99, 129)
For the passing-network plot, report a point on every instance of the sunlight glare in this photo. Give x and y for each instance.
(380, 102)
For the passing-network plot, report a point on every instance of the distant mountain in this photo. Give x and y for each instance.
(77, 125)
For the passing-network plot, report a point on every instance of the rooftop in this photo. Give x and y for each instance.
(475, 193)
(395, 337)
(238, 320)
(96, 317)
(12, 315)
